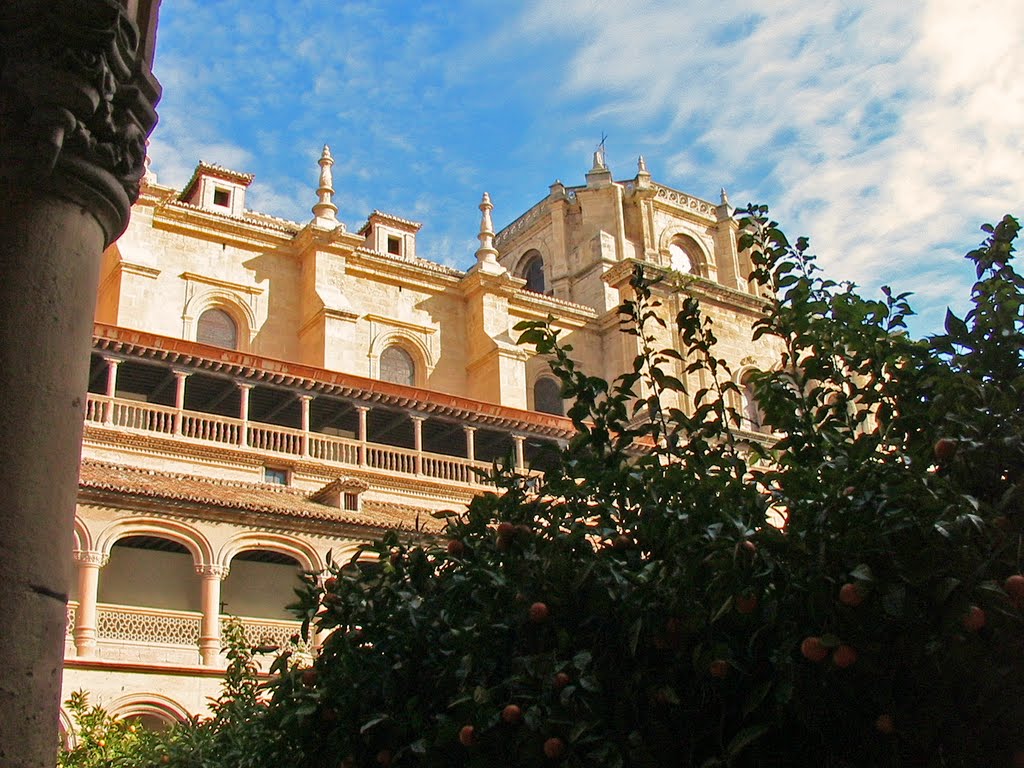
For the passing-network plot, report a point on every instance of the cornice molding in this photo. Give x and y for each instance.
(76, 104)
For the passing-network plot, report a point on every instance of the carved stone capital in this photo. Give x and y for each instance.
(89, 557)
(76, 104)
(212, 571)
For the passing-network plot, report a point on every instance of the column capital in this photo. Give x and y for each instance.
(210, 570)
(90, 557)
(244, 384)
(76, 104)
(181, 373)
(306, 398)
(417, 418)
(468, 428)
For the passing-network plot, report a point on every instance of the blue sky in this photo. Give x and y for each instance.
(887, 132)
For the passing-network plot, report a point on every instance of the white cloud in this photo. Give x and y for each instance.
(884, 131)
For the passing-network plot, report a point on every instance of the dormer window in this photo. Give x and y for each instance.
(389, 234)
(217, 189)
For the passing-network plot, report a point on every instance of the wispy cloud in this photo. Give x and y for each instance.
(885, 132)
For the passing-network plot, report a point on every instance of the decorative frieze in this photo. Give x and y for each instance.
(685, 201)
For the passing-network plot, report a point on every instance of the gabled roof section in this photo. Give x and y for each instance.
(405, 225)
(218, 172)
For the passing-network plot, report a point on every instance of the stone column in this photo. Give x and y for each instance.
(179, 398)
(304, 422)
(108, 414)
(417, 442)
(89, 564)
(76, 105)
(519, 441)
(470, 442)
(243, 396)
(209, 628)
(362, 410)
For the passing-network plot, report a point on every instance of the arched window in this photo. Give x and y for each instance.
(216, 327)
(533, 271)
(547, 397)
(751, 417)
(397, 366)
(679, 259)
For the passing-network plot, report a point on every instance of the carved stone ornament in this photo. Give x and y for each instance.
(76, 104)
(89, 557)
(212, 570)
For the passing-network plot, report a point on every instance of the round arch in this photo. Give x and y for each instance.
(546, 395)
(307, 557)
(148, 705)
(423, 360)
(702, 264)
(746, 405)
(229, 303)
(195, 542)
(65, 729)
(532, 266)
(343, 555)
(81, 536)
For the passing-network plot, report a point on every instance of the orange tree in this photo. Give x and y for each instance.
(637, 607)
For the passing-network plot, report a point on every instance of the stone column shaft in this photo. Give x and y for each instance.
(179, 398)
(470, 442)
(362, 411)
(243, 397)
(519, 441)
(304, 423)
(209, 628)
(77, 105)
(89, 564)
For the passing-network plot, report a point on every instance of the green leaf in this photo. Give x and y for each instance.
(745, 738)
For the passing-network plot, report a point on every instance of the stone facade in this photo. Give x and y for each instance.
(265, 395)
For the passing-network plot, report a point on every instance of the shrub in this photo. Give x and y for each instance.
(637, 607)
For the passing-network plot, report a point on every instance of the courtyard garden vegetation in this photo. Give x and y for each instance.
(675, 591)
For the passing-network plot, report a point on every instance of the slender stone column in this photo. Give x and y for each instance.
(179, 398)
(304, 422)
(519, 441)
(89, 564)
(108, 414)
(243, 391)
(209, 628)
(470, 442)
(417, 442)
(76, 104)
(362, 411)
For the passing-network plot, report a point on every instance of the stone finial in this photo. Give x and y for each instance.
(599, 161)
(325, 212)
(641, 165)
(148, 175)
(724, 210)
(487, 254)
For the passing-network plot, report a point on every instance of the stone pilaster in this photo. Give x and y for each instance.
(76, 104)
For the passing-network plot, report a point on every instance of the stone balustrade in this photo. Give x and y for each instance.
(191, 426)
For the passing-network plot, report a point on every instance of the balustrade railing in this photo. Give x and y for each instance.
(128, 623)
(269, 438)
